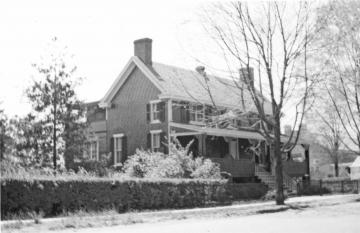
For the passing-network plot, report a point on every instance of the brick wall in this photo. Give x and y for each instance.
(128, 112)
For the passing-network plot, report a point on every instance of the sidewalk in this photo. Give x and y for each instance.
(165, 215)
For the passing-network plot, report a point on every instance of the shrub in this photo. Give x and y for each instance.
(178, 164)
(313, 190)
(54, 196)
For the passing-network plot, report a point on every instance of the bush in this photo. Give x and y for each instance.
(313, 190)
(178, 164)
(53, 196)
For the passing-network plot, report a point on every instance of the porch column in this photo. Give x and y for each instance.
(202, 144)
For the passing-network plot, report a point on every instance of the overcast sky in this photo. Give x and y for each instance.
(100, 34)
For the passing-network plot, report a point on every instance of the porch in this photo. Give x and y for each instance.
(237, 152)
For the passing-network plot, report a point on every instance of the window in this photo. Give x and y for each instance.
(118, 148)
(92, 150)
(155, 140)
(197, 113)
(155, 111)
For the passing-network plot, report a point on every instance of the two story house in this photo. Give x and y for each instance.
(149, 104)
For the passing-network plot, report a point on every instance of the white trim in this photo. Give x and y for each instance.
(152, 121)
(155, 131)
(185, 134)
(152, 133)
(122, 77)
(170, 112)
(119, 135)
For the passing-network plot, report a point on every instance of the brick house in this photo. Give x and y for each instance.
(150, 103)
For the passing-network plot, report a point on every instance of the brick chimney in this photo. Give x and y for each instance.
(245, 76)
(142, 49)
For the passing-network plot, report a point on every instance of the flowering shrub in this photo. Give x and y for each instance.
(178, 164)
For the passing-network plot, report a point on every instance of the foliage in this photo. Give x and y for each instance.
(56, 196)
(180, 163)
(32, 147)
(313, 190)
(56, 105)
(5, 138)
(338, 58)
(97, 167)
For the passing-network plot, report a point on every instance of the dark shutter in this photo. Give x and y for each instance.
(149, 141)
(148, 112)
(176, 112)
(164, 143)
(161, 107)
(185, 114)
(112, 150)
(124, 149)
(208, 113)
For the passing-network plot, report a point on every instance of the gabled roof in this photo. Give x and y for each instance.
(182, 84)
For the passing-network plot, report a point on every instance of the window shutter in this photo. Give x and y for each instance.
(112, 157)
(185, 114)
(124, 149)
(161, 106)
(149, 141)
(164, 147)
(148, 112)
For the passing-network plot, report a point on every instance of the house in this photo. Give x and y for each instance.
(149, 104)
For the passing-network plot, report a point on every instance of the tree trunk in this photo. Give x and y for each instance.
(54, 144)
(336, 166)
(279, 197)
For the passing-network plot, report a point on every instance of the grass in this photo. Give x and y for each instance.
(83, 219)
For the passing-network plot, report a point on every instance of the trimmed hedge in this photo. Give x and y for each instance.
(53, 197)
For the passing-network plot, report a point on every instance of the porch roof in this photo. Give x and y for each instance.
(217, 131)
(194, 129)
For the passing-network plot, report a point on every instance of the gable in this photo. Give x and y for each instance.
(135, 88)
(133, 63)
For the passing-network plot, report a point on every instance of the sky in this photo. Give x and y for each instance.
(99, 34)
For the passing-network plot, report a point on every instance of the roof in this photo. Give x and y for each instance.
(219, 132)
(178, 83)
(234, 133)
(356, 163)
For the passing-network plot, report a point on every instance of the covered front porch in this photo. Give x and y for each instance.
(239, 152)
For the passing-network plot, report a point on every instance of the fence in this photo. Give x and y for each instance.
(326, 186)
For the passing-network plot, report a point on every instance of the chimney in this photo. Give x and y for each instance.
(244, 76)
(142, 49)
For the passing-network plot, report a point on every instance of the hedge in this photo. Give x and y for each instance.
(55, 196)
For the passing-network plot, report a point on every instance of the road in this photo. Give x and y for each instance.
(343, 218)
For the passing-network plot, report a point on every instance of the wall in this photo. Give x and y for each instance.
(128, 112)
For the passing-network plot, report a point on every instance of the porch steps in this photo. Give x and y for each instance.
(269, 179)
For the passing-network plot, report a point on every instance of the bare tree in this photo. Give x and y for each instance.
(338, 24)
(274, 38)
(330, 133)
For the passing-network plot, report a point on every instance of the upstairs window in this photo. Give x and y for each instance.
(155, 111)
(197, 113)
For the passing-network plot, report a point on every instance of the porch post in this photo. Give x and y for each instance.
(202, 144)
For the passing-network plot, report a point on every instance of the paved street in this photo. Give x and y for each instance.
(343, 218)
